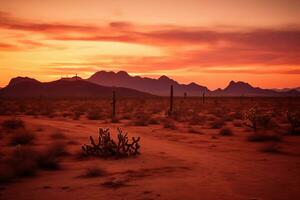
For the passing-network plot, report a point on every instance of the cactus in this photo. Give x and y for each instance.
(294, 120)
(255, 119)
(107, 147)
(203, 97)
(184, 95)
(171, 101)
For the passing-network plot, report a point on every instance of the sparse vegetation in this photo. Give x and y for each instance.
(226, 131)
(263, 136)
(107, 147)
(294, 120)
(271, 148)
(169, 123)
(94, 171)
(22, 137)
(13, 124)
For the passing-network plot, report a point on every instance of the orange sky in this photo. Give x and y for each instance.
(207, 42)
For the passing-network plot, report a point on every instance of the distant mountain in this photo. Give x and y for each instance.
(287, 89)
(102, 83)
(160, 86)
(27, 87)
(245, 89)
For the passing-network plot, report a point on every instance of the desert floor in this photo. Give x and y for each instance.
(174, 164)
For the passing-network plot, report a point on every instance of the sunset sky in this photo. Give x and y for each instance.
(207, 42)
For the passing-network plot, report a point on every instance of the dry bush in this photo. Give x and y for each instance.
(115, 120)
(225, 132)
(271, 148)
(154, 121)
(26, 161)
(264, 137)
(13, 124)
(95, 114)
(49, 159)
(294, 120)
(141, 119)
(256, 119)
(169, 123)
(19, 163)
(22, 137)
(197, 119)
(218, 123)
(94, 171)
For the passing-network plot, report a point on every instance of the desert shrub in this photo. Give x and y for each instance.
(22, 137)
(49, 158)
(154, 120)
(19, 163)
(294, 120)
(225, 131)
(107, 147)
(13, 123)
(22, 162)
(197, 119)
(169, 123)
(141, 119)
(115, 120)
(271, 148)
(255, 119)
(218, 123)
(263, 137)
(76, 115)
(94, 114)
(94, 171)
(26, 161)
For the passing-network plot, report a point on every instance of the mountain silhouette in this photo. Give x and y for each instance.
(102, 83)
(27, 87)
(160, 86)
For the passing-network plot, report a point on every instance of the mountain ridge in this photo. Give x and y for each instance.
(27, 87)
(101, 84)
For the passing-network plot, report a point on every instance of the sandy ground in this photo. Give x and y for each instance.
(174, 164)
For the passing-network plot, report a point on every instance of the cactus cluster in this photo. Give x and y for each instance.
(107, 147)
(255, 119)
(294, 120)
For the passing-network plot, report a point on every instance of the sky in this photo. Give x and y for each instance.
(208, 42)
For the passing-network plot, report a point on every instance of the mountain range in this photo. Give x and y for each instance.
(102, 83)
(73, 87)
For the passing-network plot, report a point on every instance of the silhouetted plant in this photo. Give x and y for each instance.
(294, 120)
(254, 119)
(107, 147)
(13, 123)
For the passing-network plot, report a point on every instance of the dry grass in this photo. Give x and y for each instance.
(93, 172)
(225, 132)
(271, 148)
(22, 137)
(169, 123)
(264, 137)
(218, 123)
(13, 124)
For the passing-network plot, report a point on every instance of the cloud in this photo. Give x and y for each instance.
(187, 47)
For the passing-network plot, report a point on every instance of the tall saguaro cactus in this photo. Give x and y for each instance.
(171, 100)
(114, 104)
(203, 95)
